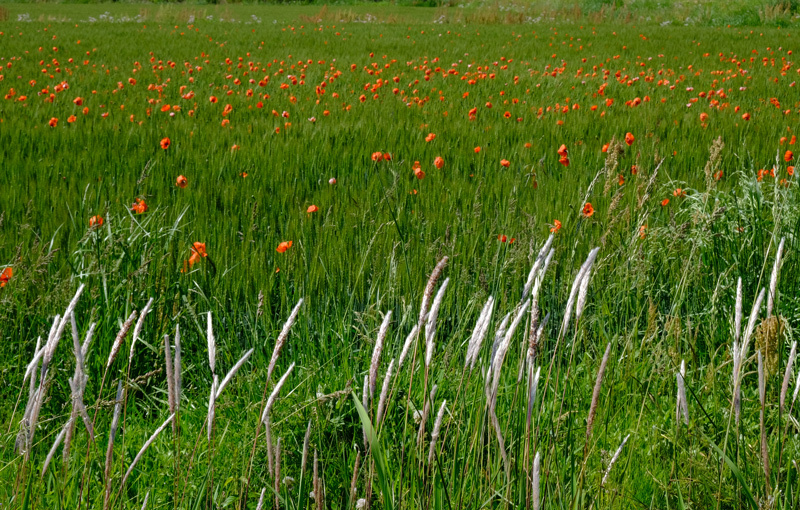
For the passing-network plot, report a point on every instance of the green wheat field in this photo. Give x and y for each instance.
(470, 256)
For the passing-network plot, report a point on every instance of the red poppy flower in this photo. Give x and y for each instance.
(53, 122)
(664, 202)
(629, 138)
(6, 275)
(556, 226)
(285, 245)
(504, 162)
(704, 117)
(746, 116)
(438, 162)
(477, 150)
(588, 210)
(165, 143)
(377, 156)
(605, 148)
(139, 206)
(562, 151)
(564, 160)
(312, 209)
(502, 238)
(96, 221)
(431, 137)
(181, 181)
(642, 230)
(788, 156)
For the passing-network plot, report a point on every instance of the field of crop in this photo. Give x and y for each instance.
(300, 257)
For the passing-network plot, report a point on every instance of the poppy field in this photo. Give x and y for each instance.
(257, 257)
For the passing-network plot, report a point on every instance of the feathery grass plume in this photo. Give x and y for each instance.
(354, 479)
(270, 451)
(430, 324)
(796, 388)
(533, 383)
(742, 355)
(407, 345)
(773, 281)
(59, 438)
(737, 331)
(281, 340)
(232, 372)
(170, 380)
(304, 458)
(177, 373)
(146, 498)
(77, 388)
(682, 406)
(275, 392)
(499, 335)
(582, 294)
(137, 330)
(33, 365)
(278, 474)
(437, 428)
(212, 400)
(502, 349)
(537, 264)
(426, 411)
(52, 341)
(79, 380)
(762, 397)
(212, 345)
(315, 483)
(384, 393)
(787, 375)
(112, 434)
(260, 505)
(596, 393)
(365, 404)
(614, 460)
(376, 353)
(536, 475)
(428, 293)
(123, 332)
(576, 286)
(144, 449)
(479, 333)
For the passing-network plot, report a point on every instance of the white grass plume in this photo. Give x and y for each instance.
(137, 331)
(788, 374)
(275, 393)
(430, 325)
(376, 353)
(284, 334)
(384, 393)
(232, 372)
(614, 460)
(479, 333)
(437, 428)
(773, 281)
(212, 345)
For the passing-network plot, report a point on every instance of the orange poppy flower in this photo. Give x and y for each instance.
(679, 193)
(629, 138)
(502, 238)
(790, 170)
(562, 151)
(78, 101)
(312, 209)
(788, 156)
(621, 179)
(6, 275)
(72, 119)
(605, 148)
(181, 181)
(588, 210)
(165, 143)
(438, 162)
(504, 162)
(387, 156)
(431, 137)
(198, 252)
(564, 160)
(642, 230)
(139, 206)
(664, 202)
(477, 150)
(556, 226)
(53, 122)
(746, 116)
(704, 117)
(377, 156)
(96, 221)
(285, 245)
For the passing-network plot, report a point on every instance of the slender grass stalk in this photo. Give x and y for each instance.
(614, 460)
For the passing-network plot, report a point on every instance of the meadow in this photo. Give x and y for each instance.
(368, 257)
